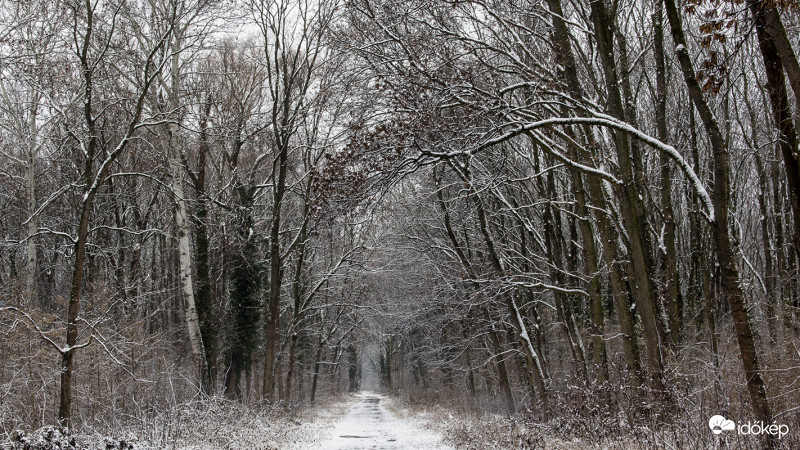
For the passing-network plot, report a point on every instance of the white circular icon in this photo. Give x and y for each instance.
(718, 424)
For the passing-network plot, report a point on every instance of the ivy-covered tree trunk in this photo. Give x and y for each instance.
(203, 298)
(245, 305)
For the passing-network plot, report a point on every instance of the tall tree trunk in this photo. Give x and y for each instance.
(502, 371)
(776, 50)
(204, 297)
(781, 112)
(767, 14)
(172, 148)
(672, 292)
(297, 297)
(720, 228)
(73, 308)
(68, 354)
(551, 218)
(275, 272)
(232, 377)
(185, 259)
(569, 73)
(33, 223)
(589, 252)
(317, 360)
(631, 207)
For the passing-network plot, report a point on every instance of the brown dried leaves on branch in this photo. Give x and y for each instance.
(351, 174)
(717, 25)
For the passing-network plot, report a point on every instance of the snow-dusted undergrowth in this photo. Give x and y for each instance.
(213, 423)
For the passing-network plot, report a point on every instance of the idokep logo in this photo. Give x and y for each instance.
(718, 424)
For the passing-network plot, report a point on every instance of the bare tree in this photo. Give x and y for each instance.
(94, 28)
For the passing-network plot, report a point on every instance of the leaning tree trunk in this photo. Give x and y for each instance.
(534, 362)
(631, 207)
(777, 51)
(566, 60)
(719, 226)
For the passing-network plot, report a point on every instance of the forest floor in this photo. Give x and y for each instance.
(370, 421)
(365, 420)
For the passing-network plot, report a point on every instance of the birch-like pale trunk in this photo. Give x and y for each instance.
(185, 257)
(182, 222)
(33, 223)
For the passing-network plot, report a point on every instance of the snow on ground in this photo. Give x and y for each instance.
(371, 422)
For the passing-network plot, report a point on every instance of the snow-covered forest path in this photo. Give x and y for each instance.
(371, 423)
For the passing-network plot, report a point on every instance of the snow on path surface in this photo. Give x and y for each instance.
(370, 425)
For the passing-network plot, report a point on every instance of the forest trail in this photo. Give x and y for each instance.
(371, 423)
